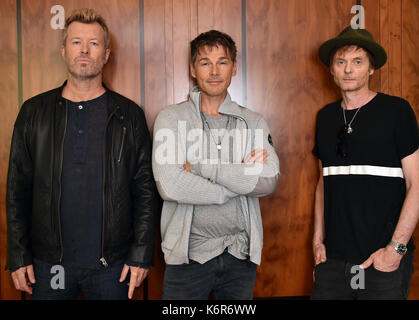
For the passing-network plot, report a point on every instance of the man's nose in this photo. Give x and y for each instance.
(84, 48)
(214, 70)
(348, 68)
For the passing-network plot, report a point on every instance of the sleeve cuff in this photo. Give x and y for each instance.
(137, 264)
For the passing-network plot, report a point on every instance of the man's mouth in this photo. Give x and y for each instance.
(214, 81)
(83, 60)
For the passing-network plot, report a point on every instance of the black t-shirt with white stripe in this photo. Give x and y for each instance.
(364, 192)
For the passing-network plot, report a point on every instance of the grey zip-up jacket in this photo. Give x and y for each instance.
(179, 138)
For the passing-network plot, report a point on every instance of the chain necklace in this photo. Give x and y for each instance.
(218, 144)
(348, 127)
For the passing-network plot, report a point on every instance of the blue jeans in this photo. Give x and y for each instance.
(334, 280)
(95, 284)
(227, 277)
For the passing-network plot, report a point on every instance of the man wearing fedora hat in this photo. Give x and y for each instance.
(367, 196)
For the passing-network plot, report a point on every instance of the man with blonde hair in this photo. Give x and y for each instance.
(80, 187)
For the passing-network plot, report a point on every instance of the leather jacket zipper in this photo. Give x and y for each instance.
(102, 259)
(124, 132)
(59, 194)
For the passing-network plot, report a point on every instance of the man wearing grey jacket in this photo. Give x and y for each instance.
(212, 159)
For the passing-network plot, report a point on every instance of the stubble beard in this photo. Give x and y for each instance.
(84, 73)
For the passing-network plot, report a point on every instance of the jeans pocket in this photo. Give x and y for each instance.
(381, 280)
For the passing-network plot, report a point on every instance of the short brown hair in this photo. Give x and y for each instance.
(213, 38)
(88, 16)
(345, 48)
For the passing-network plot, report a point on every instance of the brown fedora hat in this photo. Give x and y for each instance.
(360, 37)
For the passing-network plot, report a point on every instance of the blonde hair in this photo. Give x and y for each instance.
(89, 16)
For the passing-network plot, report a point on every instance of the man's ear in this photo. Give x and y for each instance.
(107, 55)
(62, 50)
(331, 70)
(192, 69)
(234, 68)
(371, 71)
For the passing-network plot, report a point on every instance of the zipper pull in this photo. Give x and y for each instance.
(124, 132)
(105, 264)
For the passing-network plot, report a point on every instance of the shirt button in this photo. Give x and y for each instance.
(80, 107)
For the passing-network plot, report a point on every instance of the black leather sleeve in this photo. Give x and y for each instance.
(143, 194)
(19, 193)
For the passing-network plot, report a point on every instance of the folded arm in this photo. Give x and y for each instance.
(250, 178)
(173, 182)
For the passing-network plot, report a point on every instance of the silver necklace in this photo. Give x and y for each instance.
(348, 127)
(218, 144)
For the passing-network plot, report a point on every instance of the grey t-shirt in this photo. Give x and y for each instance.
(217, 227)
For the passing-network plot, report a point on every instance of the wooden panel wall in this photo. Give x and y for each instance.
(170, 25)
(410, 89)
(288, 85)
(9, 110)
(279, 75)
(40, 45)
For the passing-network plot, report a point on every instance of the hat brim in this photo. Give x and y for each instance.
(378, 52)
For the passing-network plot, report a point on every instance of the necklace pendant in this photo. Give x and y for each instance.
(219, 146)
(349, 129)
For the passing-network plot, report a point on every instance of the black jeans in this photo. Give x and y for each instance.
(339, 280)
(227, 277)
(95, 284)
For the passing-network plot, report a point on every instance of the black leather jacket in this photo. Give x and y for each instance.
(34, 183)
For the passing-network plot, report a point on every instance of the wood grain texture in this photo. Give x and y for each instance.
(169, 27)
(372, 24)
(390, 34)
(41, 46)
(41, 60)
(288, 84)
(159, 77)
(225, 16)
(9, 108)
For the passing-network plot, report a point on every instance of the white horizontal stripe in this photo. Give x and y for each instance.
(364, 170)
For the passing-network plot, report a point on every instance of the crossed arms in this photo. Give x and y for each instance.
(204, 183)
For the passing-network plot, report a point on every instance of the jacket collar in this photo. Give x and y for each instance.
(227, 107)
(112, 101)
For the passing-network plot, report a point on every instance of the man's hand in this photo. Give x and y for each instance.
(319, 253)
(257, 155)
(187, 166)
(23, 278)
(137, 275)
(385, 260)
